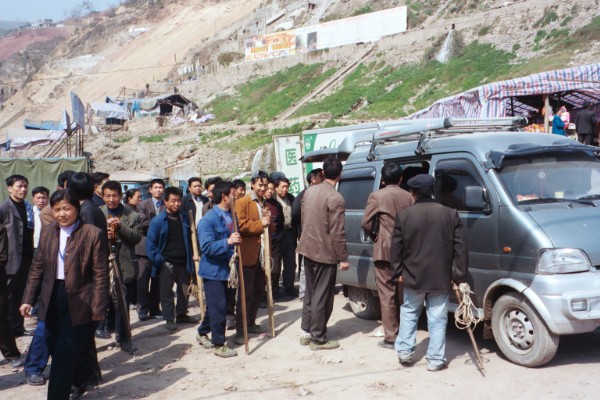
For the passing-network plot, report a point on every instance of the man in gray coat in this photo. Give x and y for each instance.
(16, 215)
(384, 205)
(428, 253)
(323, 245)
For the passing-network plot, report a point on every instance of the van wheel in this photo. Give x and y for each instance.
(363, 303)
(520, 333)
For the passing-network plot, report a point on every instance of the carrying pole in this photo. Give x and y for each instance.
(268, 268)
(242, 287)
(199, 290)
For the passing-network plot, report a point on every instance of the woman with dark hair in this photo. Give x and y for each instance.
(133, 198)
(69, 279)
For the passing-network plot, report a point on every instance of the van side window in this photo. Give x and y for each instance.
(451, 178)
(355, 187)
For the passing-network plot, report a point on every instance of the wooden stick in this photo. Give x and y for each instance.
(268, 268)
(201, 301)
(242, 287)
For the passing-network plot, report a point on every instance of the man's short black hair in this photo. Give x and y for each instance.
(172, 191)
(391, 173)
(332, 167)
(222, 188)
(11, 180)
(212, 181)
(112, 185)
(238, 183)
(40, 189)
(256, 175)
(157, 181)
(312, 174)
(63, 177)
(286, 180)
(81, 185)
(65, 194)
(194, 179)
(98, 177)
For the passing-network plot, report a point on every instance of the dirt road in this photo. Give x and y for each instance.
(169, 366)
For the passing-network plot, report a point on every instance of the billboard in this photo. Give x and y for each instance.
(361, 28)
(78, 111)
(287, 160)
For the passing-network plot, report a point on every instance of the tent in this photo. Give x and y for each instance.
(20, 138)
(526, 96)
(110, 111)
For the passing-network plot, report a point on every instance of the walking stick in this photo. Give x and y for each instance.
(242, 286)
(464, 318)
(267, 260)
(196, 290)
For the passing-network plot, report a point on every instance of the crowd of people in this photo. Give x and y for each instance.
(55, 256)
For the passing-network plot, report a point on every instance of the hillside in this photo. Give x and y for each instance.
(391, 78)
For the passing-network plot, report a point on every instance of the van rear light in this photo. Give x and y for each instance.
(563, 261)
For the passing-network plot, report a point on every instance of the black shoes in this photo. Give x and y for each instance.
(171, 326)
(186, 319)
(35, 380)
(128, 347)
(102, 334)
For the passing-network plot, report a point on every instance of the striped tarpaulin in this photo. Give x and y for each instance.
(494, 99)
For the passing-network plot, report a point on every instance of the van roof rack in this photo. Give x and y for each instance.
(408, 130)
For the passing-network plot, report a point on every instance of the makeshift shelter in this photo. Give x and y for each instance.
(112, 113)
(39, 171)
(161, 105)
(532, 95)
(134, 180)
(20, 138)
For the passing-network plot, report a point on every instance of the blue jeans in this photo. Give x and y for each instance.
(436, 305)
(37, 356)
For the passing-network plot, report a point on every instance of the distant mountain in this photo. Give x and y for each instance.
(10, 25)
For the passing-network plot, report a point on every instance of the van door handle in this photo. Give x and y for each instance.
(364, 238)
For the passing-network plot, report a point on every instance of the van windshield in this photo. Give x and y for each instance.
(552, 177)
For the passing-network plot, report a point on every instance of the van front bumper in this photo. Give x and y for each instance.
(568, 303)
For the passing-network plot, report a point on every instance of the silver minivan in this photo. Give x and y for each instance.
(530, 204)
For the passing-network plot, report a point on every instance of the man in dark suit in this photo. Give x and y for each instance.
(428, 253)
(585, 123)
(323, 245)
(194, 200)
(8, 345)
(386, 204)
(17, 217)
(148, 289)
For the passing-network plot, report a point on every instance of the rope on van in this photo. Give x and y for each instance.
(466, 315)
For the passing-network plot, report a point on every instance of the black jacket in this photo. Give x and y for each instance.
(585, 122)
(428, 247)
(187, 204)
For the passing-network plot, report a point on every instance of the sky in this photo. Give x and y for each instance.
(33, 10)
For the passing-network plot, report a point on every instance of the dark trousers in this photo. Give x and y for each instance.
(8, 345)
(216, 311)
(275, 263)
(171, 274)
(318, 298)
(585, 138)
(37, 355)
(231, 293)
(15, 287)
(288, 258)
(254, 285)
(148, 289)
(67, 344)
(390, 297)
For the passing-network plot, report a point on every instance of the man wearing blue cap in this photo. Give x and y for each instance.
(428, 253)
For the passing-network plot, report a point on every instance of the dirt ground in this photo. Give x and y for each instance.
(173, 365)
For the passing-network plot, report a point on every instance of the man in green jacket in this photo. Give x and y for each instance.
(125, 224)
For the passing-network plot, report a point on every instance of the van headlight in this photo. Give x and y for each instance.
(563, 261)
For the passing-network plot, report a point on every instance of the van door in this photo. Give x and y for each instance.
(453, 175)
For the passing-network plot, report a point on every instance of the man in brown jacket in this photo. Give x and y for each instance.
(385, 205)
(323, 245)
(252, 217)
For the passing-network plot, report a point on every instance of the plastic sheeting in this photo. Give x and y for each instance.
(110, 110)
(19, 138)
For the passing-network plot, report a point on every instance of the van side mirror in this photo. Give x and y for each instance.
(475, 198)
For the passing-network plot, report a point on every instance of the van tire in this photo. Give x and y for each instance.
(520, 332)
(363, 303)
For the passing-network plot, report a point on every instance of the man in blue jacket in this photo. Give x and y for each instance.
(169, 249)
(217, 238)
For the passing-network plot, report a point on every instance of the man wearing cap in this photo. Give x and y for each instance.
(428, 253)
(585, 123)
